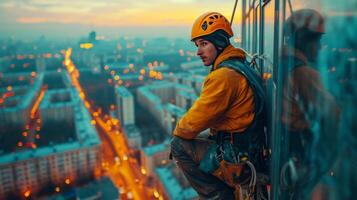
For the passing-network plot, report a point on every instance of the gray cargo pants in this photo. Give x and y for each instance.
(188, 154)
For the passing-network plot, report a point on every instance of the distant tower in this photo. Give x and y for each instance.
(125, 102)
(92, 36)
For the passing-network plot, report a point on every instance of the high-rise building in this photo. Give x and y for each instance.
(155, 156)
(155, 98)
(133, 136)
(172, 114)
(18, 93)
(61, 156)
(125, 102)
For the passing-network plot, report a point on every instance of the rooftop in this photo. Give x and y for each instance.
(172, 186)
(151, 150)
(123, 91)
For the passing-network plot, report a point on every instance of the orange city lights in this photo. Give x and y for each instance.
(27, 193)
(20, 144)
(142, 71)
(81, 95)
(143, 171)
(267, 76)
(58, 189)
(86, 104)
(156, 194)
(86, 45)
(159, 76)
(67, 181)
(156, 63)
(68, 54)
(152, 73)
(67, 62)
(47, 55)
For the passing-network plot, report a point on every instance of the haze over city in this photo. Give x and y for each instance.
(91, 92)
(71, 19)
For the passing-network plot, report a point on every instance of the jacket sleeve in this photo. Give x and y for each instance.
(214, 100)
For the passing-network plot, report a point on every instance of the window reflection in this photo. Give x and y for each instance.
(268, 40)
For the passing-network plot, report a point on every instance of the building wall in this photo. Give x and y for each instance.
(36, 173)
(125, 102)
(155, 159)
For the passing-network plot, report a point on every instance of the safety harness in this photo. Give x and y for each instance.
(237, 157)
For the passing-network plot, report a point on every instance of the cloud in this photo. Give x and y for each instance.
(31, 20)
(109, 12)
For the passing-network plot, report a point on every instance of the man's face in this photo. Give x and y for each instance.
(206, 51)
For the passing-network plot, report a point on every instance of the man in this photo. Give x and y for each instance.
(310, 113)
(231, 104)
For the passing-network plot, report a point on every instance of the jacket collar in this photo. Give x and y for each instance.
(228, 53)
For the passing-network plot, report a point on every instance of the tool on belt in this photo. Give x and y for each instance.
(232, 162)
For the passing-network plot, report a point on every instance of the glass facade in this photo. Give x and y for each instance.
(310, 50)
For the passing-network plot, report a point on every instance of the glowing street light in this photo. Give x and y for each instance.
(156, 194)
(143, 171)
(27, 193)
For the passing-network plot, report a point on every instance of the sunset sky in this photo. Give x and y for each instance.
(72, 18)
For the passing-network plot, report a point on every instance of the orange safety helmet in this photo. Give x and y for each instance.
(209, 23)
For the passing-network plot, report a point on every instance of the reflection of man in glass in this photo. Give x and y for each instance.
(309, 114)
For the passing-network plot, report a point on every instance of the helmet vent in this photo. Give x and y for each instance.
(204, 25)
(216, 16)
(210, 23)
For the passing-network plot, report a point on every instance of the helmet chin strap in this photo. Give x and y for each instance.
(218, 53)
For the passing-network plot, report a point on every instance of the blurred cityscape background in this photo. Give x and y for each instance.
(90, 92)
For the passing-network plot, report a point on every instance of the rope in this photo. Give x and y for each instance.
(234, 11)
(290, 7)
(253, 180)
